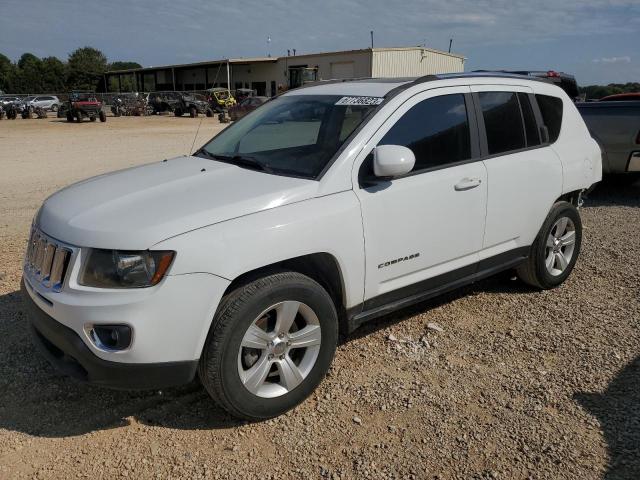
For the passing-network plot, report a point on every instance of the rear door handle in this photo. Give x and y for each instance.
(467, 184)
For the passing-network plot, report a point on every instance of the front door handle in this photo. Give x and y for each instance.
(467, 184)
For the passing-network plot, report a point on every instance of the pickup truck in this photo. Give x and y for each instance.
(615, 125)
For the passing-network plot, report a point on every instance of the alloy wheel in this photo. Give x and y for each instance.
(279, 349)
(560, 246)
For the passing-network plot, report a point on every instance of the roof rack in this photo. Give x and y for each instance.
(480, 74)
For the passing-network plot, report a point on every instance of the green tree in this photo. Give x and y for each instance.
(53, 73)
(28, 78)
(85, 68)
(7, 74)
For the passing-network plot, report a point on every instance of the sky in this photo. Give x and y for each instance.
(596, 40)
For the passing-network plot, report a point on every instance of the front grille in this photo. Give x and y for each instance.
(47, 261)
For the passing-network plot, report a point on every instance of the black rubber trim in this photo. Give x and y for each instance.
(432, 287)
(66, 351)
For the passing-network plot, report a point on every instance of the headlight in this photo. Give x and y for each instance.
(124, 269)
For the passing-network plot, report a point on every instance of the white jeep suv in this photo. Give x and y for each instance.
(322, 209)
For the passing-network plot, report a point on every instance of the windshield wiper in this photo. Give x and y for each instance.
(239, 160)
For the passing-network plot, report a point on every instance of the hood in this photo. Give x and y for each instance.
(136, 208)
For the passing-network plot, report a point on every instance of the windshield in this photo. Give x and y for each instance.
(292, 135)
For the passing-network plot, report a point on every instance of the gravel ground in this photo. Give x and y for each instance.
(492, 381)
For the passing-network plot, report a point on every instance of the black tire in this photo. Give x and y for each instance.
(177, 112)
(534, 271)
(92, 119)
(218, 368)
(79, 117)
(103, 116)
(193, 112)
(209, 112)
(69, 116)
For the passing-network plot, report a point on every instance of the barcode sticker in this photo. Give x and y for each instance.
(360, 101)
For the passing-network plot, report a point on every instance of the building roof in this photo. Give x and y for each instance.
(275, 59)
(199, 64)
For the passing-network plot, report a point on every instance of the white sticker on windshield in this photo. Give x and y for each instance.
(360, 101)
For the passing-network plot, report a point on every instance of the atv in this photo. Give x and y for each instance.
(193, 103)
(84, 104)
(11, 110)
(29, 111)
(220, 99)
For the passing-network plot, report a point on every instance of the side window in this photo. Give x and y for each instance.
(551, 109)
(502, 121)
(530, 125)
(436, 130)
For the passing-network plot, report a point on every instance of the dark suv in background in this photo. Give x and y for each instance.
(563, 80)
(179, 103)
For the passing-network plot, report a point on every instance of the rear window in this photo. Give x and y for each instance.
(502, 121)
(530, 126)
(551, 109)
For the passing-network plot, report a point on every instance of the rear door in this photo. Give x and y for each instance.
(524, 174)
(424, 229)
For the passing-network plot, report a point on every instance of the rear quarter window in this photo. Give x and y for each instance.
(551, 110)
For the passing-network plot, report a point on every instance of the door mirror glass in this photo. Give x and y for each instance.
(392, 161)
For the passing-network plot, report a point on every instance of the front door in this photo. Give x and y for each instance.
(426, 228)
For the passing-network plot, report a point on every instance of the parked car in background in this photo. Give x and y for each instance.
(245, 106)
(8, 99)
(621, 97)
(615, 125)
(241, 93)
(47, 102)
(244, 262)
(563, 80)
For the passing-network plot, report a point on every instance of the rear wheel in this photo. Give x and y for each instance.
(69, 117)
(271, 343)
(177, 112)
(555, 250)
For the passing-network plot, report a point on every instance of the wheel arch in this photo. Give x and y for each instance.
(321, 267)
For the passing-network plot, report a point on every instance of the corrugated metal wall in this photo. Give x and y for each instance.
(413, 62)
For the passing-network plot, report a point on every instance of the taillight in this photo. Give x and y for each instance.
(552, 73)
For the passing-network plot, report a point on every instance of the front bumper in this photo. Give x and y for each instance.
(64, 348)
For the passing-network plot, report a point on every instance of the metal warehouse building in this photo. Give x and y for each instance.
(269, 75)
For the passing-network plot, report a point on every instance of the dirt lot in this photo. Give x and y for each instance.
(518, 384)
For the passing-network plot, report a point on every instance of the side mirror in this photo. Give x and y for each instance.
(392, 161)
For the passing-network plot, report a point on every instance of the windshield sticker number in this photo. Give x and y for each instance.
(354, 101)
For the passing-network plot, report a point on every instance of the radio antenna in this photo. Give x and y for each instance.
(196, 136)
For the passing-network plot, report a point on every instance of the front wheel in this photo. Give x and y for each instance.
(555, 250)
(271, 343)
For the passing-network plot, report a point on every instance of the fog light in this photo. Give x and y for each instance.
(111, 337)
